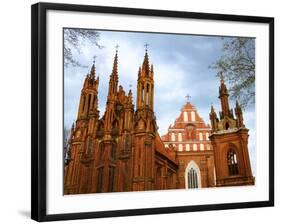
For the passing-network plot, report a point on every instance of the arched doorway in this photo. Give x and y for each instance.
(192, 176)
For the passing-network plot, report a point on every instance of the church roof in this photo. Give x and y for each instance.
(160, 148)
(191, 117)
(188, 116)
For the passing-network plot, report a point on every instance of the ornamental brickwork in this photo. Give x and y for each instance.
(123, 151)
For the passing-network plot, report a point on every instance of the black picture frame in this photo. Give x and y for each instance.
(39, 108)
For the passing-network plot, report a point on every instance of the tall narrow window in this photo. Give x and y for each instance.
(101, 152)
(226, 125)
(187, 147)
(89, 102)
(99, 182)
(147, 94)
(194, 147)
(113, 151)
(201, 147)
(192, 116)
(200, 136)
(151, 94)
(180, 147)
(173, 138)
(84, 102)
(232, 163)
(207, 135)
(180, 137)
(111, 179)
(142, 93)
(192, 178)
(185, 118)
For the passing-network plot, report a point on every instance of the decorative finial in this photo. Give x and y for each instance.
(93, 69)
(146, 45)
(221, 76)
(116, 47)
(212, 109)
(187, 97)
(94, 59)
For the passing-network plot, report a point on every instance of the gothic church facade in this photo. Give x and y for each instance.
(122, 150)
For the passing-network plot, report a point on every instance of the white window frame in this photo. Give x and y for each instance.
(173, 137)
(194, 147)
(180, 137)
(180, 148)
(185, 116)
(200, 136)
(192, 116)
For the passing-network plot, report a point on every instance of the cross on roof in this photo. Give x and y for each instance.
(146, 45)
(94, 59)
(116, 47)
(221, 76)
(188, 97)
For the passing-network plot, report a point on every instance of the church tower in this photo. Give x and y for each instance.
(82, 137)
(107, 149)
(229, 138)
(145, 129)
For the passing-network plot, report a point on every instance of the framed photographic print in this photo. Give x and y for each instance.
(139, 111)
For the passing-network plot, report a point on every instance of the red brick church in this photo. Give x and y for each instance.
(122, 150)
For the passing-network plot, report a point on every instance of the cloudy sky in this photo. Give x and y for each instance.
(180, 68)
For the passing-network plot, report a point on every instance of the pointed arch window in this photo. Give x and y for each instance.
(142, 93)
(192, 176)
(89, 102)
(84, 102)
(111, 179)
(101, 152)
(232, 163)
(113, 152)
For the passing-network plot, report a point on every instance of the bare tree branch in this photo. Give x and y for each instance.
(238, 64)
(73, 38)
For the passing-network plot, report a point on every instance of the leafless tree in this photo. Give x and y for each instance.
(73, 38)
(238, 64)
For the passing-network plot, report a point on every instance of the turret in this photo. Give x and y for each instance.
(223, 95)
(113, 81)
(239, 115)
(145, 87)
(214, 119)
(89, 95)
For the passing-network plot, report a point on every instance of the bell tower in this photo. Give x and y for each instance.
(82, 137)
(145, 129)
(229, 139)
